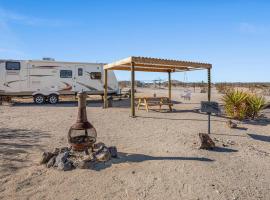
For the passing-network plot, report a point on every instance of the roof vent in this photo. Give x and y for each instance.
(48, 59)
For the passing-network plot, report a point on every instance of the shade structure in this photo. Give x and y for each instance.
(156, 65)
(147, 64)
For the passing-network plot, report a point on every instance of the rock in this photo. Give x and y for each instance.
(206, 141)
(103, 155)
(89, 157)
(98, 147)
(51, 162)
(61, 150)
(230, 142)
(61, 158)
(46, 156)
(83, 164)
(113, 151)
(231, 124)
(65, 166)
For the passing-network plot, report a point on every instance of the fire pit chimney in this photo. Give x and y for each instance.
(82, 135)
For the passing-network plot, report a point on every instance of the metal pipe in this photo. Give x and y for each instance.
(209, 98)
(82, 116)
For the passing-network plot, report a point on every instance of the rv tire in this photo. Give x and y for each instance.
(39, 99)
(53, 98)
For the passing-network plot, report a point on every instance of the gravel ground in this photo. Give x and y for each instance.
(158, 153)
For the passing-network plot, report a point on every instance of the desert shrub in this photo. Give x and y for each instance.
(235, 106)
(241, 105)
(255, 104)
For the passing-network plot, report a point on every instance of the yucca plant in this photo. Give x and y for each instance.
(241, 105)
(255, 104)
(235, 104)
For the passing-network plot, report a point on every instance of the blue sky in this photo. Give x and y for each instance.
(232, 35)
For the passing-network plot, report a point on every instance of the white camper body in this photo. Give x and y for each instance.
(47, 79)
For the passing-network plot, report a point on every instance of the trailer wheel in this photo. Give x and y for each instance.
(39, 99)
(53, 98)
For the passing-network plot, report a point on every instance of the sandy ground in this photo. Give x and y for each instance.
(159, 155)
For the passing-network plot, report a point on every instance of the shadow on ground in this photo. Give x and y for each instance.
(223, 150)
(90, 103)
(15, 145)
(234, 135)
(260, 122)
(179, 119)
(137, 158)
(263, 138)
(127, 157)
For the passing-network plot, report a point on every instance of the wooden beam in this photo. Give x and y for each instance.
(105, 97)
(150, 65)
(126, 61)
(144, 69)
(156, 62)
(170, 85)
(147, 60)
(132, 99)
(154, 68)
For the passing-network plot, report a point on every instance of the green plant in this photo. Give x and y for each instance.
(240, 105)
(235, 106)
(255, 104)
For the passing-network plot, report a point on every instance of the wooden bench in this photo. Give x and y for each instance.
(154, 101)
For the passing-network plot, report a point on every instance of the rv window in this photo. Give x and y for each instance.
(13, 65)
(95, 75)
(80, 71)
(65, 73)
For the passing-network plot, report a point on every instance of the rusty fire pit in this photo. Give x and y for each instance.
(82, 135)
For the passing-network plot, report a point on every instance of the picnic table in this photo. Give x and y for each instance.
(153, 101)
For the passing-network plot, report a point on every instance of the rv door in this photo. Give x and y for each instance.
(13, 79)
(79, 79)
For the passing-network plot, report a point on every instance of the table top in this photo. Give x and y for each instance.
(149, 97)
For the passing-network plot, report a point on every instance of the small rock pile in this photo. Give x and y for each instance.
(66, 158)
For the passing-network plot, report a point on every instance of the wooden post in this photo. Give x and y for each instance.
(132, 103)
(105, 99)
(209, 97)
(209, 84)
(170, 85)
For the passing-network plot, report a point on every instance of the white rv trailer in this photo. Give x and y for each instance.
(46, 79)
